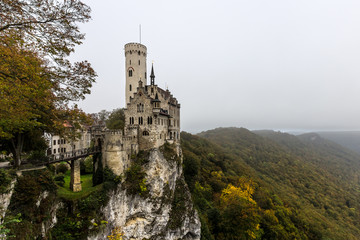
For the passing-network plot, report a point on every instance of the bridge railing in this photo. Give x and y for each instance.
(74, 153)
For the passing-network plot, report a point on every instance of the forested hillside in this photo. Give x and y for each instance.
(272, 185)
(348, 139)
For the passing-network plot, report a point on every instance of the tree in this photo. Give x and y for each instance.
(240, 213)
(116, 120)
(37, 81)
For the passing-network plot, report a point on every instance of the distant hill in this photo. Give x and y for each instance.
(348, 139)
(305, 187)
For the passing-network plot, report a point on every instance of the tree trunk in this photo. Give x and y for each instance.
(17, 144)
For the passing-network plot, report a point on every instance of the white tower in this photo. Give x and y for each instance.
(135, 66)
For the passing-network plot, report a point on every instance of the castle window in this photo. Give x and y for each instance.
(54, 150)
(58, 141)
(130, 87)
(54, 142)
(139, 55)
(139, 62)
(141, 121)
(130, 73)
(140, 107)
(149, 120)
(130, 62)
(145, 133)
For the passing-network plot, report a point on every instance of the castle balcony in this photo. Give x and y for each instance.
(156, 111)
(173, 128)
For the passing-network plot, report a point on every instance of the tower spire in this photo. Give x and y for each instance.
(152, 75)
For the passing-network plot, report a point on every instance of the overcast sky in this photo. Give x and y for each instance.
(258, 64)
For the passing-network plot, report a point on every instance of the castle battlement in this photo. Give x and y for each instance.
(113, 132)
(133, 48)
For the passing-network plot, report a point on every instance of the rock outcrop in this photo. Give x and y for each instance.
(164, 212)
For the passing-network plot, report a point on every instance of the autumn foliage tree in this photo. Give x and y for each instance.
(241, 218)
(38, 83)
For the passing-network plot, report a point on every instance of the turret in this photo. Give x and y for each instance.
(135, 66)
(152, 76)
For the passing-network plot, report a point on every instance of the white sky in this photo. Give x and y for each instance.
(258, 64)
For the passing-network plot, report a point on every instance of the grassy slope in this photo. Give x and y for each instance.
(86, 185)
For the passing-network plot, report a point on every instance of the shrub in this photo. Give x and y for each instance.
(5, 180)
(61, 168)
(135, 181)
(59, 180)
(38, 156)
(86, 165)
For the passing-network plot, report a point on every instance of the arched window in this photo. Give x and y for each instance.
(130, 73)
(139, 53)
(130, 87)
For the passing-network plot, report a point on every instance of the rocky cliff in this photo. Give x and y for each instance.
(163, 211)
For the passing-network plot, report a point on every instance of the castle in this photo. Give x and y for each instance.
(152, 114)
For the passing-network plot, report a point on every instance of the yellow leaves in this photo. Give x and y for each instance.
(243, 192)
(142, 186)
(217, 174)
(116, 234)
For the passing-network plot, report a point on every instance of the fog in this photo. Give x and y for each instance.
(280, 64)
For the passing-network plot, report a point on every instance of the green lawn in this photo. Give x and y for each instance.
(86, 185)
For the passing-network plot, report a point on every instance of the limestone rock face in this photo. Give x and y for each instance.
(5, 200)
(166, 212)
